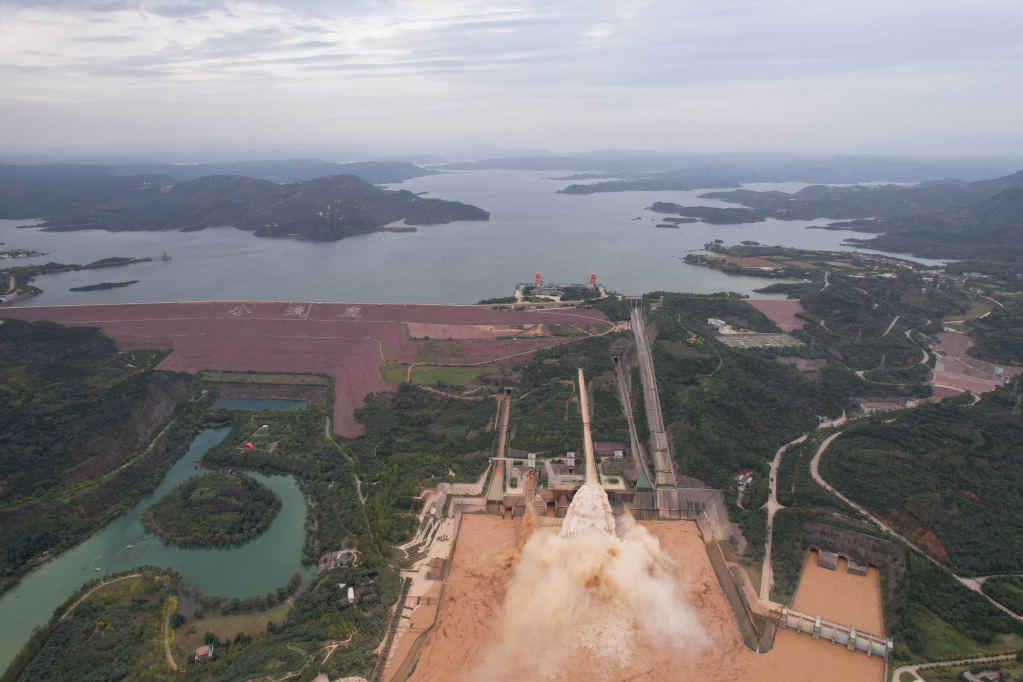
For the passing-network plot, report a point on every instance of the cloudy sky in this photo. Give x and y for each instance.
(902, 76)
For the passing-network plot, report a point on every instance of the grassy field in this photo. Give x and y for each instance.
(264, 378)
(432, 351)
(978, 306)
(942, 641)
(563, 330)
(225, 627)
(455, 376)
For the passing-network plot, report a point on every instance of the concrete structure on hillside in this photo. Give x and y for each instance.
(883, 405)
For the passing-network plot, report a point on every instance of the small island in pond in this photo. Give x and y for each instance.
(213, 510)
(103, 285)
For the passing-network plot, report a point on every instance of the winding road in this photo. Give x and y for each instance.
(767, 574)
(971, 583)
(914, 670)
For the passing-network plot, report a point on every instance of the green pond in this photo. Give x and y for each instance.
(255, 567)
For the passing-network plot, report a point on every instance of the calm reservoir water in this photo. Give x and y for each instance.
(257, 404)
(532, 229)
(256, 567)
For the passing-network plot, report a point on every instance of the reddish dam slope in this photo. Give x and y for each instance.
(349, 341)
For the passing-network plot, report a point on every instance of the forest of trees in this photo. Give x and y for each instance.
(73, 408)
(414, 438)
(949, 476)
(213, 510)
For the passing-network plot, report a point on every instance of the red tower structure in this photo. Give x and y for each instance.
(593, 279)
(537, 282)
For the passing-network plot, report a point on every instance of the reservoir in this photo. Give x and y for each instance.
(257, 404)
(256, 567)
(531, 229)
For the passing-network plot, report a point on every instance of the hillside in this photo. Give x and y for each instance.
(72, 408)
(324, 209)
(296, 170)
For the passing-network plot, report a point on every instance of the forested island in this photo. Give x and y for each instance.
(213, 510)
(328, 208)
(104, 285)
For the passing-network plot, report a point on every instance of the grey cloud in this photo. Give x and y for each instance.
(106, 39)
(177, 11)
(114, 6)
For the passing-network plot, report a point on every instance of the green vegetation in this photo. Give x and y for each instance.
(433, 375)
(73, 411)
(438, 351)
(415, 439)
(579, 293)
(213, 510)
(1006, 590)
(117, 633)
(564, 330)
(87, 198)
(946, 219)
(609, 422)
(497, 301)
(1000, 336)
(934, 616)
(947, 476)
(273, 378)
(616, 310)
(296, 443)
(546, 420)
(104, 285)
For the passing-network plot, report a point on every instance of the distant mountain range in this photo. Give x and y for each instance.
(326, 208)
(943, 219)
(374, 172)
(676, 169)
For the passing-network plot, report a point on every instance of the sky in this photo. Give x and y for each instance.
(906, 76)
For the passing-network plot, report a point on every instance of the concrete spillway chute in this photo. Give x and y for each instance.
(591, 466)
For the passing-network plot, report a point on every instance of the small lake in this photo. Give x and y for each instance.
(258, 404)
(256, 567)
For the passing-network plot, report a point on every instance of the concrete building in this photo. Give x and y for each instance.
(607, 448)
(827, 560)
(872, 407)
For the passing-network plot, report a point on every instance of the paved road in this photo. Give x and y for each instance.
(909, 336)
(914, 669)
(663, 465)
(767, 574)
(891, 325)
(101, 585)
(166, 632)
(968, 582)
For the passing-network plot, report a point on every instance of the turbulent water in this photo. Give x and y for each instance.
(589, 510)
(598, 590)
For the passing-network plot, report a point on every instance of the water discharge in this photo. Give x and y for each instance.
(598, 592)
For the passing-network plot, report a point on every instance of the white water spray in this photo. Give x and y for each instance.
(591, 596)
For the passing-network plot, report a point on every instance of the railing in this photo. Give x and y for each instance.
(817, 627)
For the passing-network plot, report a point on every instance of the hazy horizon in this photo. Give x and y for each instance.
(908, 78)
